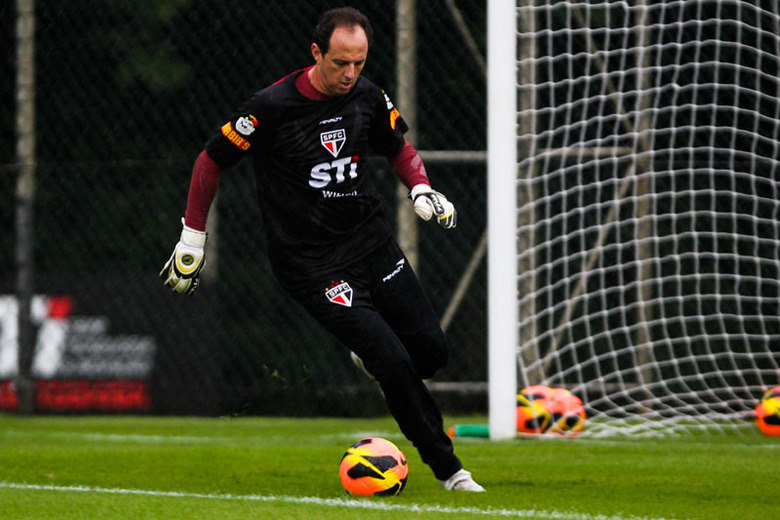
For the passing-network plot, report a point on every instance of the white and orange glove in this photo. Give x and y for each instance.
(181, 271)
(428, 203)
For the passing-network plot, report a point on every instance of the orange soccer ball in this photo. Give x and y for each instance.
(567, 414)
(771, 394)
(768, 413)
(538, 393)
(373, 467)
(541, 409)
(532, 412)
(532, 416)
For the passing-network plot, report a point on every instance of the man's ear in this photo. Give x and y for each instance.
(316, 52)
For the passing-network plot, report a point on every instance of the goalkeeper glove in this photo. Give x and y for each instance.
(428, 202)
(182, 269)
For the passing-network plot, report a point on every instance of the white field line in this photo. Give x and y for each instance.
(122, 438)
(331, 502)
(184, 439)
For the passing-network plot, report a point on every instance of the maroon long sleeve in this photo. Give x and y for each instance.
(409, 167)
(203, 189)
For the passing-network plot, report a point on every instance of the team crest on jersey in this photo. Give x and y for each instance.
(333, 141)
(246, 125)
(340, 293)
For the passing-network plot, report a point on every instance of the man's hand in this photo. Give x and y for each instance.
(182, 269)
(428, 202)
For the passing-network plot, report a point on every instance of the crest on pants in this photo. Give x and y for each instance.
(340, 293)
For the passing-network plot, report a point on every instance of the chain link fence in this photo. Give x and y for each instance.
(127, 93)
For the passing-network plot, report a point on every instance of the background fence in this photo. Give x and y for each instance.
(127, 93)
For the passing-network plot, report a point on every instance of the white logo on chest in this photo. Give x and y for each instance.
(336, 171)
(333, 141)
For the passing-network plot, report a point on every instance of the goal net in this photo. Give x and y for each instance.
(648, 215)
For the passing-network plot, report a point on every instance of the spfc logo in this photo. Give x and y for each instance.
(333, 141)
(340, 293)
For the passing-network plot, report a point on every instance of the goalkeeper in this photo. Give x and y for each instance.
(329, 245)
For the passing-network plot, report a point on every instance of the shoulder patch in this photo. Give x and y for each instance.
(246, 125)
(394, 115)
(233, 137)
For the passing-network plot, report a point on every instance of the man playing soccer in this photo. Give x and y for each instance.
(332, 250)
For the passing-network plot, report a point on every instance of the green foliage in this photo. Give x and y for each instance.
(151, 58)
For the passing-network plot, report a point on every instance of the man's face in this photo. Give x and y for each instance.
(336, 71)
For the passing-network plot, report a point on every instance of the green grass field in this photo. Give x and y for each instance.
(278, 468)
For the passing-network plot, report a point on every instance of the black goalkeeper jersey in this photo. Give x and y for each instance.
(310, 160)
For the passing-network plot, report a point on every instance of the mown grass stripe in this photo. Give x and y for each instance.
(330, 502)
(178, 439)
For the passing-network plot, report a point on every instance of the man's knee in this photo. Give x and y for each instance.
(389, 365)
(429, 351)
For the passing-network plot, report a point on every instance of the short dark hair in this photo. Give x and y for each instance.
(339, 17)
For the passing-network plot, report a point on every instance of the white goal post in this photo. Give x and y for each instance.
(502, 208)
(642, 215)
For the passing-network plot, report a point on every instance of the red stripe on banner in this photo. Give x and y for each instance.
(54, 395)
(59, 307)
(8, 399)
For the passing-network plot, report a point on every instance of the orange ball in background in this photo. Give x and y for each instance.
(768, 413)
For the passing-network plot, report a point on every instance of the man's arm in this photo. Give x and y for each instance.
(181, 271)
(409, 167)
(203, 189)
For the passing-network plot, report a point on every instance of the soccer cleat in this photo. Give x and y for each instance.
(461, 481)
(359, 363)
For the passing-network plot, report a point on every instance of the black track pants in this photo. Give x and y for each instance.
(378, 309)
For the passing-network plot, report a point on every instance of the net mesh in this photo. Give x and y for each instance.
(650, 168)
